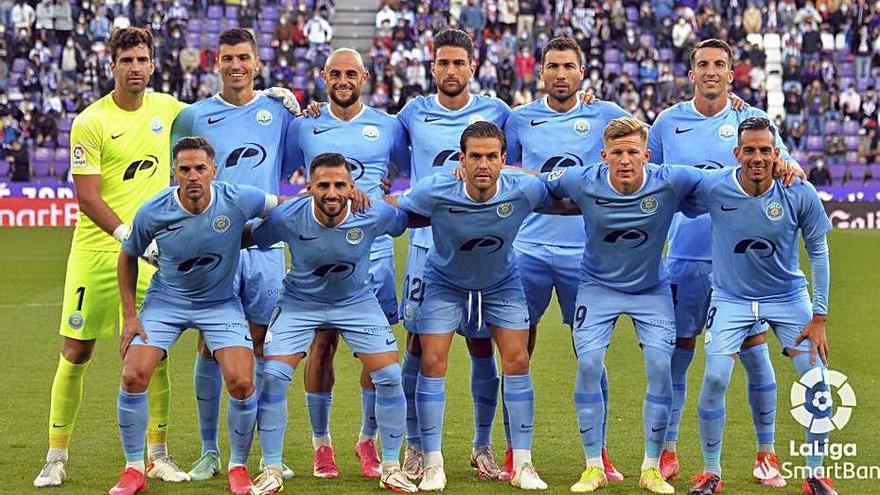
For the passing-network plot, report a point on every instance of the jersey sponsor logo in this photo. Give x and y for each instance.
(763, 247)
(78, 156)
(249, 153)
(774, 211)
(726, 132)
(264, 117)
(148, 162)
(504, 210)
(354, 236)
(208, 262)
(358, 169)
(370, 133)
(679, 130)
(556, 174)
(631, 238)
(76, 320)
(444, 156)
(156, 125)
(709, 165)
(489, 244)
(214, 121)
(581, 127)
(221, 224)
(562, 161)
(340, 270)
(649, 205)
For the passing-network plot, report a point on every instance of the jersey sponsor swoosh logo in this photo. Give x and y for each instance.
(536, 123)
(428, 120)
(307, 238)
(585, 430)
(317, 131)
(126, 426)
(425, 430)
(239, 433)
(58, 426)
(114, 136)
(172, 228)
(396, 436)
(655, 430)
(458, 210)
(203, 399)
(214, 121)
(163, 425)
(526, 427)
(390, 341)
(247, 337)
(729, 208)
(712, 444)
(679, 130)
(600, 201)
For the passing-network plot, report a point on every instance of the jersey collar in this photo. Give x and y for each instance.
(470, 100)
(570, 110)
(312, 207)
(642, 186)
(334, 117)
(257, 96)
(693, 106)
(498, 183)
(210, 203)
(734, 176)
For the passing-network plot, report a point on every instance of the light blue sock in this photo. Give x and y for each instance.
(605, 396)
(319, 412)
(390, 410)
(588, 401)
(817, 440)
(241, 419)
(681, 361)
(658, 399)
(208, 382)
(519, 396)
(484, 390)
(259, 365)
(505, 416)
(131, 412)
(273, 410)
(762, 391)
(410, 376)
(431, 406)
(711, 411)
(368, 412)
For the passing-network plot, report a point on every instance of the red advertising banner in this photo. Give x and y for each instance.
(24, 212)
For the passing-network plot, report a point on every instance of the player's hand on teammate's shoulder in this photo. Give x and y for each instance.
(587, 97)
(815, 332)
(737, 103)
(787, 171)
(286, 97)
(385, 184)
(313, 110)
(131, 328)
(360, 202)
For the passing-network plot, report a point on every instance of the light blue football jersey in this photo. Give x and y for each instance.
(755, 239)
(369, 142)
(683, 136)
(198, 254)
(543, 139)
(626, 233)
(248, 140)
(473, 241)
(434, 135)
(329, 264)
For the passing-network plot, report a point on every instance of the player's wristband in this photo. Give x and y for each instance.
(270, 203)
(122, 232)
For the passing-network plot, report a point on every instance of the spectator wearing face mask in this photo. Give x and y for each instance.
(819, 175)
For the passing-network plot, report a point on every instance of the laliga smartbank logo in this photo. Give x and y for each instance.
(811, 400)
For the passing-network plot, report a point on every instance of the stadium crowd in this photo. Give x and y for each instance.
(54, 60)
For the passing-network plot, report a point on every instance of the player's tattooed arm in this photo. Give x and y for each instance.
(92, 205)
(562, 207)
(127, 274)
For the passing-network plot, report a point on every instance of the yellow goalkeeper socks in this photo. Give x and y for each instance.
(159, 400)
(65, 399)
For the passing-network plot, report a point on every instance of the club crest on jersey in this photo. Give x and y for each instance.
(504, 210)
(156, 125)
(556, 174)
(264, 117)
(354, 236)
(475, 118)
(79, 156)
(581, 127)
(76, 320)
(726, 132)
(221, 224)
(370, 133)
(649, 205)
(774, 211)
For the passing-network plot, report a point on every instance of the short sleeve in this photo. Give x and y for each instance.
(685, 178)
(655, 140)
(85, 146)
(183, 126)
(293, 155)
(271, 230)
(614, 111)
(419, 199)
(535, 191)
(559, 183)
(511, 134)
(141, 234)
(391, 220)
(400, 152)
(503, 112)
(405, 113)
(812, 218)
(252, 201)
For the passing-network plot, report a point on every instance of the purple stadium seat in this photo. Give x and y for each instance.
(300, 82)
(666, 54)
(265, 39)
(852, 142)
(230, 23)
(194, 26)
(815, 143)
(850, 128)
(831, 127)
(800, 156)
(214, 26)
(267, 26)
(267, 54)
(632, 14)
(18, 65)
(56, 52)
(210, 39)
(679, 70)
(231, 12)
(612, 68)
(300, 52)
(63, 139)
(845, 82)
(612, 56)
(64, 124)
(842, 56)
(852, 158)
(194, 39)
(846, 69)
(837, 171)
(631, 69)
(4, 170)
(62, 156)
(42, 162)
(215, 12)
(269, 12)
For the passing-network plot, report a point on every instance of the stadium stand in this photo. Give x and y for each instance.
(815, 65)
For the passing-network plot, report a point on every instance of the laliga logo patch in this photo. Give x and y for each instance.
(221, 224)
(811, 400)
(76, 321)
(79, 156)
(649, 205)
(264, 117)
(581, 127)
(774, 211)
(370, 133)
(504, 210)
(726, 132)
(156, 125)
(556, 174)
(354, 236)
(475, 118)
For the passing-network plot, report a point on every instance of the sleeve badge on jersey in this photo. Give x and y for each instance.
(221, 224)
(370, 133)
(556, 174)
(156, 125)
(354, 236)
(649, 205)
(581, 127)
(76, 321)
(264, 117)
(504, 210)
(774, 211)
(726, 132)
(79, 156)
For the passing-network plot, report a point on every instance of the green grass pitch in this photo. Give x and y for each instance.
(32, 264)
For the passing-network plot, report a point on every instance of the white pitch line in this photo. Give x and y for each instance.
(29, 305)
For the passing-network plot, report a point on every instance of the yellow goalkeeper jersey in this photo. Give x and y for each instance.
(131, 151)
